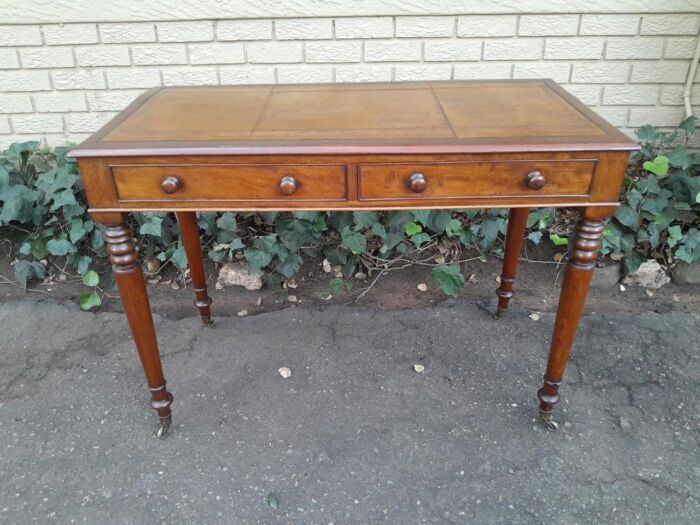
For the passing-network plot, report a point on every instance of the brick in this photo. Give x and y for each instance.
(274, 52)
(616, 116)
(600, 73)
(634, 48)
(20, 36)
(670, 24)
(336, 51)
(217, 53)
(393, 51)
(5, 126)
(659, 116)
(80, 79)
(7, 140)
(588, 94)
(147, 55)
(486, 25)
(452, 50)
(87, 122)
(60, 34)
(127, 33)
(673, 95)
(58, 102)
(363, 73)
(617, 24)
(128, 78)
(37, 123)
(24, 81)
(15, 103)
(196, 31)
(111, 100)
(642, 95)
(303, 28)
(8, 59)
(666, 72)
(304, 74)
(573, 48)
(557, 71)
(548, 25)
(372, 27)
(483, 70)
(424, 26)
(246, 75)
(46, 57)
(114, 55)
(513, 49)
(680, 47)
(190, 77)
(244, 30)
(423, 72)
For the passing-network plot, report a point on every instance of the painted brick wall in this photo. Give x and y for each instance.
(60, 82)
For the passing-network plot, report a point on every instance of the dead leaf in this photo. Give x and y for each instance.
(649, 293)
(174, 285)
(534, 316)
(418, 368)
(291, 283)
(558, 257)
(422, 287)
(292, 298)
(622, 287)
(285, 372)
(360, 276)
(440, 259)
(617, 256)
(242, 313)
(327, 266)
(498, 279)
(472, 279)
(258, 301)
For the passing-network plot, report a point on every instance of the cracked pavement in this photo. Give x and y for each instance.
(355, 435)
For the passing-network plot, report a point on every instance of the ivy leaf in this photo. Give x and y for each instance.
(290, 265)
(91, 279)
(83, 263)
(60, 247)
(63, 198)
(179, 258)
(365, 219)
(257, 259)
(294, 233)
(647, 133)
(437, 220)
(535, 237)
(77, 230)
(453, 228)
(680, 157)
(353, 241)
(26, 270)
(379, 230)
(420, 238)
(421, 216)
(558, 241)
(412, 228)
(449, 278)
(89, 300)
(227, 221)
(659, 166)
(152, 226)
(335, 257)
(688, 125)
(627, 216)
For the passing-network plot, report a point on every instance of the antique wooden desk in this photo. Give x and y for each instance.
(515, 144)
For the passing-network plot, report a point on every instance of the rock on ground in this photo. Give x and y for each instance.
(650, 274)
(237, 274)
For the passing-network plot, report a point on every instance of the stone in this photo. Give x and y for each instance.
(606, 276)
(684, 273)
(236, 274)
(649, 275)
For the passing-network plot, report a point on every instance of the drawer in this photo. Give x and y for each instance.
(225, 182)
(459, 179)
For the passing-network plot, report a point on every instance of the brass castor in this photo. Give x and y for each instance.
(162, 429)
(547, 421)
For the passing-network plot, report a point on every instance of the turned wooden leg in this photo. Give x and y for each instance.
(189, 233)
(132, 287)
(517, 221)
(583, 252)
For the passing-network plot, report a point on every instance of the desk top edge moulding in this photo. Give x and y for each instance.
(346, 118)
(511, 144)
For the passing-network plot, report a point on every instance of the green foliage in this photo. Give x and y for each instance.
(659, 216)
(43, 213)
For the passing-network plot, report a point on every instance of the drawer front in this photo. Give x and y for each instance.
(226, 182)
(445, 180)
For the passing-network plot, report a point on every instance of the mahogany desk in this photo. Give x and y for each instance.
(515, 144)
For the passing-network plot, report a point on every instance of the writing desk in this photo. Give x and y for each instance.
(514, 144)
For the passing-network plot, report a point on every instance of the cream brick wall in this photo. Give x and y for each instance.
(61, 82)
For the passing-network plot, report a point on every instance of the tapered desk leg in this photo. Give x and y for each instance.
(517, 221)
(132, 287)
(189, 233)
(583, 252)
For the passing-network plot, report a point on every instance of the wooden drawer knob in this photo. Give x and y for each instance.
(288, 185)
(170, 185)
(535, 180)
(417, 182)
